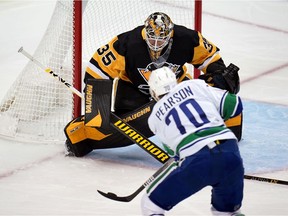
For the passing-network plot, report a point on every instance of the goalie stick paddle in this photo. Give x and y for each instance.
(130, 197)
(135, 136)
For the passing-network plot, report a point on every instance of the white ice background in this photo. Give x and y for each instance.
(39, 180)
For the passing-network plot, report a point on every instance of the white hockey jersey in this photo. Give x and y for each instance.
(192, 115)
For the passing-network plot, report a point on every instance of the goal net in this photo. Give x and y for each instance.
(37, 108)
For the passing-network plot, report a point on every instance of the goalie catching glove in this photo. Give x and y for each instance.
(227, 79)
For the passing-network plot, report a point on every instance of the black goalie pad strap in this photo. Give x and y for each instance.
(98, 103)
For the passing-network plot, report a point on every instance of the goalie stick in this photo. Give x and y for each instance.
(130, 197)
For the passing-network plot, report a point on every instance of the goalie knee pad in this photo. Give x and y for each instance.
(149, 208)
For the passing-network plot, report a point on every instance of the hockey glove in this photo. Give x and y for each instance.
(226, 79)
(215, 79)
(232, 78)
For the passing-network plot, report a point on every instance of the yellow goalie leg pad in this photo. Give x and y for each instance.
(77, 132)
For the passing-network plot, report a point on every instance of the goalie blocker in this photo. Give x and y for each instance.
(95, 129)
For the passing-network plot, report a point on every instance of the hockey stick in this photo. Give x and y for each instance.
(48, 70)
(148, 145)
(130, 197)
(263, 179)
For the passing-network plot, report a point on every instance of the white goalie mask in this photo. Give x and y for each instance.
(161, 81)
(158, 29)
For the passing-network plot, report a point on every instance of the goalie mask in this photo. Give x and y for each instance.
(161, 81)
(158, 29)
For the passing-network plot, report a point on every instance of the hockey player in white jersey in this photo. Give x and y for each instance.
(189, 120)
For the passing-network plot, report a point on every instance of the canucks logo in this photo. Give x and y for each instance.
(145, 73)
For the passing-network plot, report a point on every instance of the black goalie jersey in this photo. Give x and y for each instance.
(127, 56)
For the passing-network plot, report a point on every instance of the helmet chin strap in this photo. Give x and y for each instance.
(158, 60)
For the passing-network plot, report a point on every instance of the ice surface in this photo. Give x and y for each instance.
(36, 179)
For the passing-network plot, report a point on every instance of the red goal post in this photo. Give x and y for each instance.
(36, 108)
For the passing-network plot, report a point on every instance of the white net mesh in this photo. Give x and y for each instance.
(36, 108)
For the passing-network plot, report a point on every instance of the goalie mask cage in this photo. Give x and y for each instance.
(37, 108)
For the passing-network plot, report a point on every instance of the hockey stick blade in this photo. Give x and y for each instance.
(128, 198)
